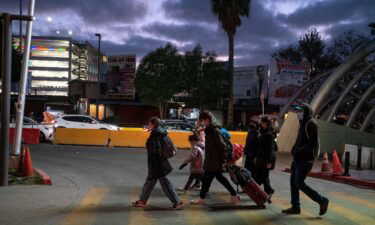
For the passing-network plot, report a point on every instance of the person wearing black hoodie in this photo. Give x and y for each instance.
(158, 168)
(214, 161)
(251, 147)
(304, 151)
(266, 157)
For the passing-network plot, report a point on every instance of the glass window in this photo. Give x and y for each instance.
(85, 119)
(72, 118)
(49, 64)
(42, 73)
(51, 93)
(47, 83)
(54, 54)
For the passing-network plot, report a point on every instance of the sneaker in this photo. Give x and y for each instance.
(291, 211)
(139, 203)
(323, 207)
(198, 201)
(197, 188)
(235, 200)
(182, 191)
(179, 205)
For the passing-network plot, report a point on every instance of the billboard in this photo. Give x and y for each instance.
(285, 79)
(120, 78)
(247, 80)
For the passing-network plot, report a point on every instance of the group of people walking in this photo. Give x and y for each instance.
(208, 158)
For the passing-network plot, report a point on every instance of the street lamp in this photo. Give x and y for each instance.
(70, 32)
(98, 81)
(49, 19)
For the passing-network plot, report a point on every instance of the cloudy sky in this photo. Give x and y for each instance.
(139, 26)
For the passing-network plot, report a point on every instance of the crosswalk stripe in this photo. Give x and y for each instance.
(85, 211)
(306, 217)
(349, 214)
(195, 214)
(248, 216)
(353, 199)
(138, 216)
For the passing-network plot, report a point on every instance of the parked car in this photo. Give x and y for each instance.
(46, 130)
(82, 122)
(177, 125)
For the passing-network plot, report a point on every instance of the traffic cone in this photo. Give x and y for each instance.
(337, 170)
(325, 164)
(27, 166)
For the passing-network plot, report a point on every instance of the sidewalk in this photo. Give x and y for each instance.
(364, 178)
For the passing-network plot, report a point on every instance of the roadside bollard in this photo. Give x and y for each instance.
(347, 160)
(359, 157)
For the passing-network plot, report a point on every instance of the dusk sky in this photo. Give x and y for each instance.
(139, 26)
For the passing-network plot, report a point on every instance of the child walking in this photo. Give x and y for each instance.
(195, 158)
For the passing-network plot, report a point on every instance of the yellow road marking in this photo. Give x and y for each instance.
(84, 213)
(138, 216)
(353, 199)
(195, 214)
(349, 214)
(306, 217)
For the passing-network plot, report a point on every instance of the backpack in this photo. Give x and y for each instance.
(239, 175)
(228, 148)
(168, 148)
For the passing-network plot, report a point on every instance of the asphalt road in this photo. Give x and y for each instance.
(95, 185)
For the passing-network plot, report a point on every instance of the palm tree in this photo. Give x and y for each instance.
(229, 13)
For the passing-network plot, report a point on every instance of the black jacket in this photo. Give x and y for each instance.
(158, 165)
(214, 153)
(266, 148)
(251, 144)
(307, 143)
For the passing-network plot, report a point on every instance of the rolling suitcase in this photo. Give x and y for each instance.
(242, 177)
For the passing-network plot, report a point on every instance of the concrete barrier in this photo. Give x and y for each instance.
(71, 136)
(29, 135)
(126, 137)
(129, 138)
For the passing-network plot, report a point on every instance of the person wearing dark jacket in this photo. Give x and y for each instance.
(158, 168)
(214, 160)
(251, 147)
(266, 157)
(304, 151)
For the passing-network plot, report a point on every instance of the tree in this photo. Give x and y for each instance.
(291, 53)
(312, 47)
(204, 77)
(229, 13)
(346, 45)
(158, 76)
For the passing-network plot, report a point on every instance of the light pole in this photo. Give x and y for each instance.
(98, 81)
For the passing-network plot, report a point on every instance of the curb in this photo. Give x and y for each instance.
(340, 179)
(46, 180)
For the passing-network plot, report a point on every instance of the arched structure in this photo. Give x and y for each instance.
(345, 94)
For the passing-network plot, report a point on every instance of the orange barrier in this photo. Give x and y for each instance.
(29, 135)
(126, 137)
(71, 136)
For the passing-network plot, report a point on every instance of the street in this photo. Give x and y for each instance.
(95, 185)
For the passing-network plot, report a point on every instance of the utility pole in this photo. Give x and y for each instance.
(20, 35)
(98, 82)
(5, 97)
(5, 94)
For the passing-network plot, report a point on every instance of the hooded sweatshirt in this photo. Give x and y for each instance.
(158, 165)
(196, 158)
(306, 147)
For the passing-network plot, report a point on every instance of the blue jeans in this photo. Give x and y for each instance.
(165, 185)
(297, 182)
